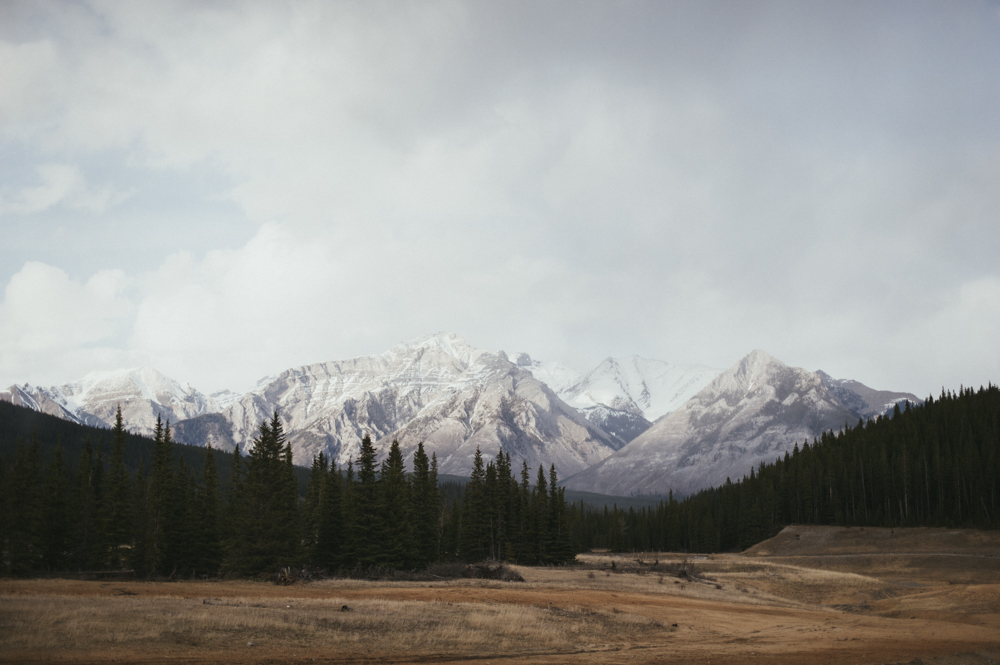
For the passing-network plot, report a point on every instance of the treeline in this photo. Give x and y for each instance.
(168, 519)
(937, 464)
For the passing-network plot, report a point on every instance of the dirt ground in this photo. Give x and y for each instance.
(811, 595)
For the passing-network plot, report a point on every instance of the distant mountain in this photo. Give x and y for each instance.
(143, 393)
(865, 402)
(439, 390)
(623, 395)
(753, 412)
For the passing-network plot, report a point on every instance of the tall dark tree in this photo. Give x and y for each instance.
(474, 528)
(330, 533)
(397, 512)
(366, 524)
(426, 508)
(269, 537)
(23, 526)
(116, 506)
(208, 538)
(57, 536)
(85, 511)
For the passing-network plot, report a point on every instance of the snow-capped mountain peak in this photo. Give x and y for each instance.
(143, 394)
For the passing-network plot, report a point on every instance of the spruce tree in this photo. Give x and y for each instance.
(426, 504)
(23, 536)
(540, 517)
(209, 532)
(57, 536)
(474, 526)
(330, 532)
(140, 558)
(84, 510)
(270, 526)
(397, 511)
(366, 516)
(116, 508)
(558, 544)
(162, 502)
(311, 509)
(234, 532)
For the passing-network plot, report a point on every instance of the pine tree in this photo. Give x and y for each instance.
(426, 503)
(365, 516)
(540, 517)
(163, 522)
(209, 535)
(140, 558)
(84, 510)
(56, 530)
(116, 515)
(23, 533)
(234, 532)
(270, 526)
(311, 515)
(558, 544)
(396, 508)
(330, 532)
(473, 533)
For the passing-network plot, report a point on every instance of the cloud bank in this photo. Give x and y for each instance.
(225, 190)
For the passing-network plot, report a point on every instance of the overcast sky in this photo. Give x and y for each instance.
(225, 190)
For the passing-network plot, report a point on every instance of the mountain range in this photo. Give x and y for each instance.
(629, 426)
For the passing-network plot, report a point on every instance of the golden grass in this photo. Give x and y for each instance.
(49, 623)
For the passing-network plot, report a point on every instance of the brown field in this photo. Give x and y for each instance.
(811, 595)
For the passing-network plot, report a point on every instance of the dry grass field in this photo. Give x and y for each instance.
(811, 595)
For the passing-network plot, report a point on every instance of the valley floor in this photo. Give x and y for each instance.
(812, 595)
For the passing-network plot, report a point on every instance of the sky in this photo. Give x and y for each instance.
(226, 190)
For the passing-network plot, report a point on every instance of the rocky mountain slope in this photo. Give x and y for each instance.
(439, 390)
(143, 393)
(623, 395)
(753, 412)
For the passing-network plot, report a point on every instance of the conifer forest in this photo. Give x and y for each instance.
(162, 509)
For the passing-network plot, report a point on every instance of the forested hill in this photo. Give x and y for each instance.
(937, 464)
(20, 424)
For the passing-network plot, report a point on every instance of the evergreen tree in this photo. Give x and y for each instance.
(141, 556)
(330, 521)
(311, 515)
(162, 503)
(366, 531)
(540, 518)
(396, 507)
(209, 532)
(426, 502)
(116, 514)
(57, 536)
(558, 543)
(84, 510)
(270, 533)
(23, 532)
(473, 533)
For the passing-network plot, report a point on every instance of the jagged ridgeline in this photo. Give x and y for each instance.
(937, 464)
(77, 498)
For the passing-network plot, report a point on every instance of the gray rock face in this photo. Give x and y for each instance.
(865, 402)
(751, 413)
(623, 395)
(143, 394)
(438, 390)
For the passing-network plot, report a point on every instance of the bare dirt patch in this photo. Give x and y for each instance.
(772, 605)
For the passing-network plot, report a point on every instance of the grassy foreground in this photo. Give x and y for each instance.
(926, 594)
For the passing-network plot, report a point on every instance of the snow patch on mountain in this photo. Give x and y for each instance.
(438, 389)
(751, 413)
(143, 394)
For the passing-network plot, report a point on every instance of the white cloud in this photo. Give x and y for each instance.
(53, 327)
(62, 184)
(685, 183)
